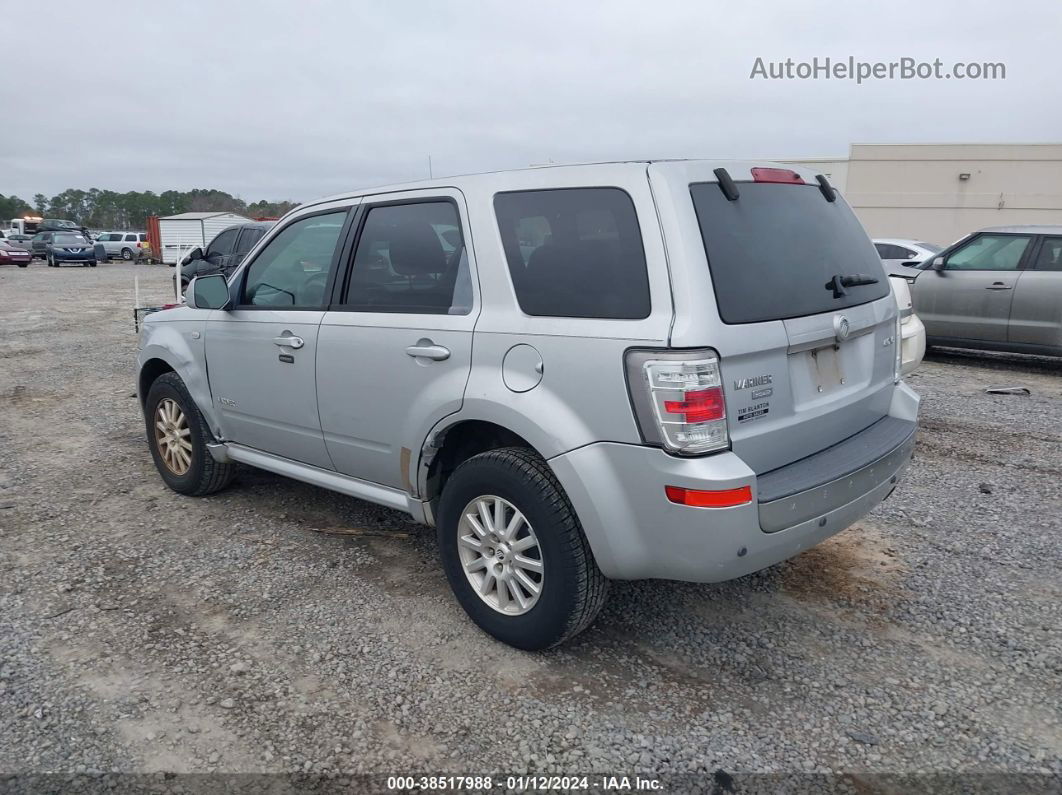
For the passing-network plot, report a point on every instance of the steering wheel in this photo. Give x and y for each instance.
(312, 291)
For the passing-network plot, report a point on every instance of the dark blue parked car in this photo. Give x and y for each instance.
(70, 247)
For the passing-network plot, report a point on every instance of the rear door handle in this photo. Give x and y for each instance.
(999, 286)
(426, 349)
(289, 341)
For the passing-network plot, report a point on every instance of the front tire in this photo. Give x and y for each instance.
(178, 437)
(514, 552)
(23, 264)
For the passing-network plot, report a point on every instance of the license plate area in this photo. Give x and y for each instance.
(821, 374)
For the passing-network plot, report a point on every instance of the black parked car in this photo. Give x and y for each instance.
(61, 225)
(224, 253)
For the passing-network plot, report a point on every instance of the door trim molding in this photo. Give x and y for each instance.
(333, 481)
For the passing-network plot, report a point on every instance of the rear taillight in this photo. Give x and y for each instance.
(678, 399)
(783, 175)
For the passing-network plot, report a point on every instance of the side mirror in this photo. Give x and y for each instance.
(938, 264)
(193, 255)
(208, 292)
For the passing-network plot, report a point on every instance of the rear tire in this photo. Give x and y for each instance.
(23, 264)
(92, 264)
(194, 471)
(127, 254)
(571, 588)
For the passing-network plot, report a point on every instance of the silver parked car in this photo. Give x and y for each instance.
(997, 289)
(126, 245)
(900, 256)
(681, 370)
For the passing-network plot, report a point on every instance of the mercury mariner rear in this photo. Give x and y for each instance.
(776, 417)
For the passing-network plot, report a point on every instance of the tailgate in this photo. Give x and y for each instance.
(810, 390)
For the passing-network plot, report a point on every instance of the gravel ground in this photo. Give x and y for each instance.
(278, 627)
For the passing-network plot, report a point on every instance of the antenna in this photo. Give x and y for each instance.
(430, 175)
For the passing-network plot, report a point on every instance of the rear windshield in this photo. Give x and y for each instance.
(773, 251)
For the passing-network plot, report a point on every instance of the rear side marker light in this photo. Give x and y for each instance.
(698, 498)
(783, 175)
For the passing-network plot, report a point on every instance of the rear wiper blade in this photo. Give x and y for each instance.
(858, 280)
(839, 282)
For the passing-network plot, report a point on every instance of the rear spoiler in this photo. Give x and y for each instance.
(730, 188)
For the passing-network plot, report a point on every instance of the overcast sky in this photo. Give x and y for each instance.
(301, 99)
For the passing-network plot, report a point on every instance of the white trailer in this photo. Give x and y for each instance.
(180, 233)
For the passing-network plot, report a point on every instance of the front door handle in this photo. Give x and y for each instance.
(289, 341)
(426, 349)
(999, 286)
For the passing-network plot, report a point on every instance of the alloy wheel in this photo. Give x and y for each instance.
(172, 436)
(500, 555)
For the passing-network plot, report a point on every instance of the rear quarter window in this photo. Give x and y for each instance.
(773, 251)
(574, 252)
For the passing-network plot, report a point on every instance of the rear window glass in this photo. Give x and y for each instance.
(574, 252)
(774, 250)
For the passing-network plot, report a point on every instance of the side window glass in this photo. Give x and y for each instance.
(575, 252)
(411, 258)
(222, 244)
(989, 253)
(1050, 256)
(292, 270)
(130, 238)
(248, 237)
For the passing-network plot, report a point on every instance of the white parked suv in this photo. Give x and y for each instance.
(127, 245)
(682, 370)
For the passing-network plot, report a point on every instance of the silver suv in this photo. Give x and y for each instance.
(680, 370)
(127, 245)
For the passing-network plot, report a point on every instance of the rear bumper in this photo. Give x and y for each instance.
(636, 533)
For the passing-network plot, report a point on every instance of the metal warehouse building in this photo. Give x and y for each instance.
(940, 192)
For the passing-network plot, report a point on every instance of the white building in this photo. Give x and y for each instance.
(941, 192)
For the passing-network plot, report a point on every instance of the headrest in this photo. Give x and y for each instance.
(415, 250)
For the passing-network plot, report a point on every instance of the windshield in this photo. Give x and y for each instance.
(783, 251)
(70, 240)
